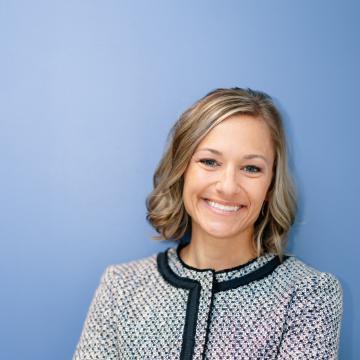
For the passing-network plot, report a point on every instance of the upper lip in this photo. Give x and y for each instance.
(226, 203)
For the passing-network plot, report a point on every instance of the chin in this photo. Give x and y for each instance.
(221, 232)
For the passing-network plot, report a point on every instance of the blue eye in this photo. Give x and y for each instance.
(254, 170)
(208, 162)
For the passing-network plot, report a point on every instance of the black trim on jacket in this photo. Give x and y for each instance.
(194, 286)
(192, 307)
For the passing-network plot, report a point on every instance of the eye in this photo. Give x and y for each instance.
(208, 162)
(252, 169)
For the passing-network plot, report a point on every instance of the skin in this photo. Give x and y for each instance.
(224, 240)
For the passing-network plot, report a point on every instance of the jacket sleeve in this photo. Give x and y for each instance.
(312, 329)
(99, 335)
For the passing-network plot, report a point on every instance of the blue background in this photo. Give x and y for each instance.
(88, 92)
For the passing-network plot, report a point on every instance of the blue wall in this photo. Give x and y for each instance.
(88, 92)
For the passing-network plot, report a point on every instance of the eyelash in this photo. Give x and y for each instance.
(205, 162)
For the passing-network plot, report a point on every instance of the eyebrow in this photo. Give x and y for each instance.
(247, 156)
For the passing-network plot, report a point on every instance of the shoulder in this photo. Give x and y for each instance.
(311, 285)
(306, 276)
(131, 273)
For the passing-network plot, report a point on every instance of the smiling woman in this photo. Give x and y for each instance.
(225, 199)
(232, 291)
(241, 129)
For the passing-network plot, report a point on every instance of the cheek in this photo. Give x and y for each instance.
(188, 189)
(201, 178)
(195, 182)
(195, 178)
(192, 185)
(187, 198)
(258, 190)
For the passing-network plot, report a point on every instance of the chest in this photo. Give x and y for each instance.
(167, 322)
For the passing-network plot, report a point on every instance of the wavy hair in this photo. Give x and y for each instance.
(165, 207)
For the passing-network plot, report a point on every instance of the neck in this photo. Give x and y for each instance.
(206, 252)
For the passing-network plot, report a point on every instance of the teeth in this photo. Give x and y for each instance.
(223, 207)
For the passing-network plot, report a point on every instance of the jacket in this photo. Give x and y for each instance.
(159, 307)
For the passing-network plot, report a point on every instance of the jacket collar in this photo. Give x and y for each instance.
(171, 266)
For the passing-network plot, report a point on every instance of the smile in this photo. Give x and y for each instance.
(222, 208)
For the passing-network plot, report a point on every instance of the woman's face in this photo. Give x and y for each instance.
(227, 179)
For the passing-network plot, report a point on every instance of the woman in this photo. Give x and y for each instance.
(230, 292)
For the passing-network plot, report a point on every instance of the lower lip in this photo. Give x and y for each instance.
(221, 212)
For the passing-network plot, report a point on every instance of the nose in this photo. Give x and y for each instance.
(228, 183)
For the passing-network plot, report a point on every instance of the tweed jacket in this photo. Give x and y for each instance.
(159, 307)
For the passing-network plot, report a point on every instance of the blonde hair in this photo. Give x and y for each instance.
(165, 207)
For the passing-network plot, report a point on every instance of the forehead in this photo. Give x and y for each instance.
(240, 134)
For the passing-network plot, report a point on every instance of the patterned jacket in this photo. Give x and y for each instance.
(159, 307)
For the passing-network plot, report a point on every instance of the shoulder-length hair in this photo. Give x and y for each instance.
(165, 207)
